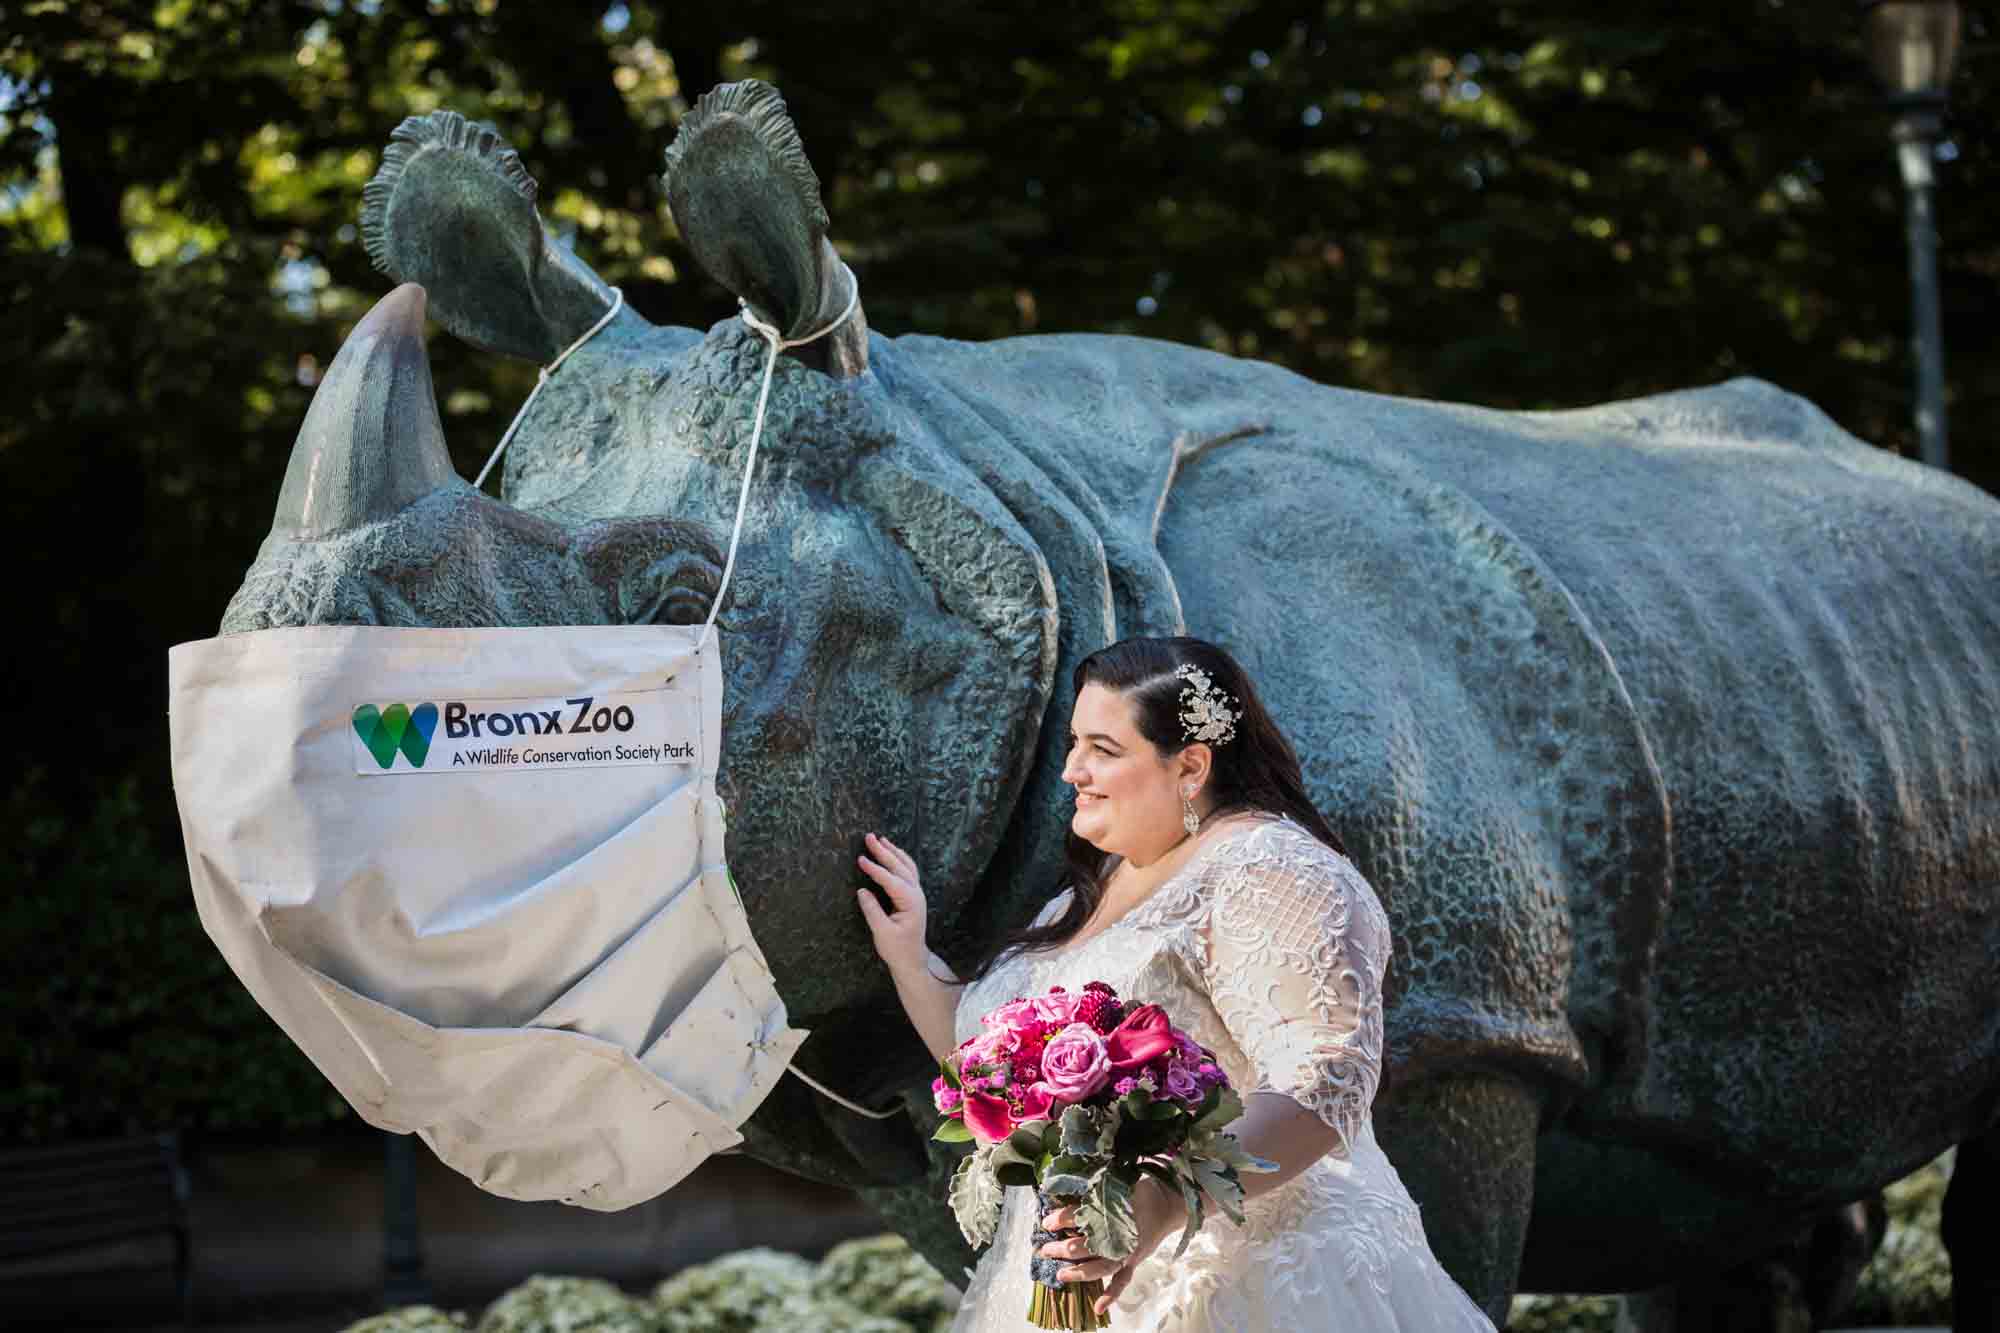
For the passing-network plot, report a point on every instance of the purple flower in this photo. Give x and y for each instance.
(1182, 1083)
(1075, 1063)
(1124, 1086)
(1210, 1074)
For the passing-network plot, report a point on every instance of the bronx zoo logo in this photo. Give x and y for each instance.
(388, 730)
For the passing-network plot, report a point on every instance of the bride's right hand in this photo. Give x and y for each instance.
(899, 932)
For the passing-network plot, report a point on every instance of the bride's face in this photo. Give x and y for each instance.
(1126, 800)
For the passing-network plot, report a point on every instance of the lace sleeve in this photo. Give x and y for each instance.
(1296, 947)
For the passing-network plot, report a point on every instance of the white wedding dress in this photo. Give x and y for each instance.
(1268, 947)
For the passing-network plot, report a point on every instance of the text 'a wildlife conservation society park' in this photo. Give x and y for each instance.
(482, 735)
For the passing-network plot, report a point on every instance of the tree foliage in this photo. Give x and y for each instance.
(1521, 206)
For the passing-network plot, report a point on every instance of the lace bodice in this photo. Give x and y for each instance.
(1285, 943)
(1269, 948)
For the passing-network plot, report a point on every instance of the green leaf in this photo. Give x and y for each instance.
(1176, 1183)
(975, 1199)
(1106, 1214)
(948, 1070)
(1219, 1183)
(1084, 1131)
(952, 1131)
(1222, 1106)
(1027, 1138)
(1166, 1109)
(1014, 1172)
(1225, 1148)
(1065, 1184)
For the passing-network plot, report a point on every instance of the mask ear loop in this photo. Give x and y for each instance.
(777, 343)
(542, 378)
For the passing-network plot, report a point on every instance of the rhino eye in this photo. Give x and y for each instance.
(674, 592)
(682, 606)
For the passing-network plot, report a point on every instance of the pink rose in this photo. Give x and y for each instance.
(1182, 1084)
(1075, 1063)
(1057, 1009)
(1144, 1034)
(1013, 1015)
(987, 1118)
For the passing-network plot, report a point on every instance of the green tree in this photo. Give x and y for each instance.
(1518, 206)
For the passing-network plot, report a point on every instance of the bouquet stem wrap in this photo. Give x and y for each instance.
(1055, 1303)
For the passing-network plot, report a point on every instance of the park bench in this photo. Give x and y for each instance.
(78, 1196)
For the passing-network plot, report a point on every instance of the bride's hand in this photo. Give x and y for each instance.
(899, 932)
(1158, 1217)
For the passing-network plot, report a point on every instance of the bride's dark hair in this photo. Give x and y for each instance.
(1256, 770)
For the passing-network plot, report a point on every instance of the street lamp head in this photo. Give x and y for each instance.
(1913, 45)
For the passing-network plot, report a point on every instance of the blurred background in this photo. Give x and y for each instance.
(1523, 206)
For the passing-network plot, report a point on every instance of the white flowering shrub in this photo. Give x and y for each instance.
(1909, 1279)
(884, 1276)
(570, 1305)
(1563, 1314)
(733, 1294)
(411, 1319)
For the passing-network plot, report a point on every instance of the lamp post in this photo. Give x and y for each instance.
(1912, 44)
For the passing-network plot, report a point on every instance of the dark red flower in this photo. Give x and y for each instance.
(1141, 1036)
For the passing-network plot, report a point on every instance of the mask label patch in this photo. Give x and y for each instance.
(481, 735)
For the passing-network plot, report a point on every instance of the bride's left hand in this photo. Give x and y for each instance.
(1158, 1217)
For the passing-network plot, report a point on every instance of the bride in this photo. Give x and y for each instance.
(1201, 878)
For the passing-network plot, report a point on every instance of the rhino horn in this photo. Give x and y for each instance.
(372, 441)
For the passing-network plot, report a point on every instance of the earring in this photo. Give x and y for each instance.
(1189, 819)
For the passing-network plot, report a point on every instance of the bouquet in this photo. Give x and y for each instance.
(1079, 1096)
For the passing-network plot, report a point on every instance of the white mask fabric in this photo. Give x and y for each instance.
(478, 877)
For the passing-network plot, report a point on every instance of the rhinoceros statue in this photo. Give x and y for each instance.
(1669, 729)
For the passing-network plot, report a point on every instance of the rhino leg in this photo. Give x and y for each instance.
(1465, 1148)
(1806, 1283)
(1971, 1210)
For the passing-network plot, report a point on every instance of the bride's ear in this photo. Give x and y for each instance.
(1197, 765)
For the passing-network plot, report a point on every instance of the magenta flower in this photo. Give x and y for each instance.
(987, 1117)
(1075, 1063)
(1038, 1102)
(1144, 1034)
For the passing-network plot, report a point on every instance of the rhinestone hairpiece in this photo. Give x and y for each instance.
(1204, 715)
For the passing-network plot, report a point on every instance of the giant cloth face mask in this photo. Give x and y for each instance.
(478, 876)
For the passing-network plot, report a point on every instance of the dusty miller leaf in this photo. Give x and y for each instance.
(975, 1198)
(1106, 1214)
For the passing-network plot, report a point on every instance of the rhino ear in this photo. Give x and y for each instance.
(996, 660)
(453, 208)
(747, 203)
